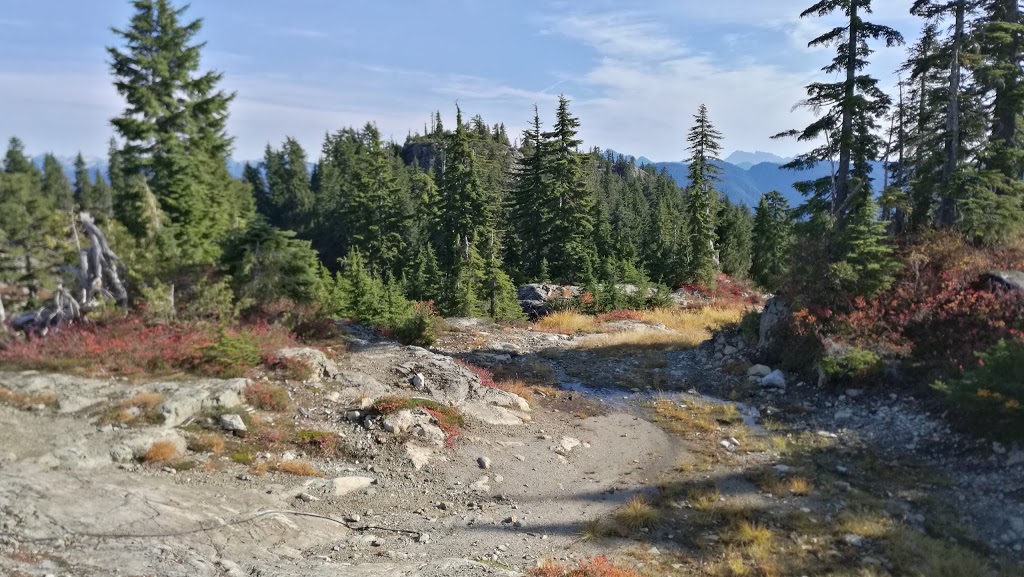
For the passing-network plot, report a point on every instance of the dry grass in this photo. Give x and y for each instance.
(517, 387)
(162, 452)
(143, 401)
(139, 409)
(694, 417)
(799, 486)
(752, 535)
(297, 468)
(207, 444)
(687, 329)
(566, 323)
(20, 400)
(637, 514)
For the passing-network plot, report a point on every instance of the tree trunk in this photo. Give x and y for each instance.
(947, 207)
(846, 136)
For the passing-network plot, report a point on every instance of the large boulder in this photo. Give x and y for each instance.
(1012, 280)
(775, 313)
(321, 367)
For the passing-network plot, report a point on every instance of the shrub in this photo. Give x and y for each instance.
(485, 376)
(566, 322)
(992, 392)
(448, 418)
(319, 443)
(267, 397)
(207, 444)
(851, 364)
(597, 567)
(750, 326)
(297, 468)
(230, 355)
(419, 328)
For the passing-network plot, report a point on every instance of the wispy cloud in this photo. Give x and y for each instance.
(297, 32)
(621, 33)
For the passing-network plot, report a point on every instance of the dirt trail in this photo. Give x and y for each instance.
(518, 487)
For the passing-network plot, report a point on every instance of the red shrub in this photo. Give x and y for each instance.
(486, 378)
(596, 567)
(620, 315)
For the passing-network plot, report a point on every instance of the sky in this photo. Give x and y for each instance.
(635, 72)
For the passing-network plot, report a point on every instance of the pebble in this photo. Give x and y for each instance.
(484, 462)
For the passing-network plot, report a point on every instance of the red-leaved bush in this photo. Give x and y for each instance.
(596, 567)
(486, 377)
(130, 346)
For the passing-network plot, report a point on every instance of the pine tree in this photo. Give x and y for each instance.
(850, 109)
(267, 264)
(82, 184)
(461, 285)
(772, 241)
(867, 265)
(570, 232)
(735, 233)
(530, 203)
(56, 186)
(425, 282)
(31, 227)
(287, 199)
(704, 148)
(174, 127)
(100, 198)
(496, 291)
(464, 207)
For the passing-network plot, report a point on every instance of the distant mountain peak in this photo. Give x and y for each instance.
(747, 159)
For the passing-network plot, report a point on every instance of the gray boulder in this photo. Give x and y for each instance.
(774, 314)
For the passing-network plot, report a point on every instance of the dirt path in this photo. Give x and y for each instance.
(646, 472)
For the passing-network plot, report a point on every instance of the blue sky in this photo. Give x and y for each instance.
(635, 73)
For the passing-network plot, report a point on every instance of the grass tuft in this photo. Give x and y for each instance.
(297, 468)
(25, 401)
(207, 444)
(637, 514)
(566, 323)
(162, 452)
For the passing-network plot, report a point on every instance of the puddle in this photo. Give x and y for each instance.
(622, 399)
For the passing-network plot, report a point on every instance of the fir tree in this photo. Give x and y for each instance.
(174, 127)
(100, 198)
(530, 203)
(735, 233)
(569, 233)
(82, 185)
(772, 241)
(704, 148)
(850, 109)
(56, 186)
(464, 209)
(267, 264)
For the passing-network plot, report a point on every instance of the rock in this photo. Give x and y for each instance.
(484, 462)
(774, 314)
(855, 540)
(429, 433)
(653, 552)
(423, 538)
(759, 371)
(402, 421)
(843, 415)
(490, 414)
(567, 444)
(843, 486)
(345, 485)
(306, 497)
(233, 423)
(854, 393)
(417, 381)
(730, 350)
(482, 485)
(418, 456)
(725, 444)
(321, 367)
(774, 379)
(1006, 280)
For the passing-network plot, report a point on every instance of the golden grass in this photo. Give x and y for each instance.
(20, 400)
(566, 323)
(687, 330)
(517, 387)
(751, 534)
(162, 452)
(684, 320)
(207, 444)
(694, 417)
(297, 468)
(799, 486)
(914, 554)
(637, 514)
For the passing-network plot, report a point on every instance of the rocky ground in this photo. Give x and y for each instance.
(331, 485)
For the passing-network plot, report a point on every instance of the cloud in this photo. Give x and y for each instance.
(625, 34)
(297, 32)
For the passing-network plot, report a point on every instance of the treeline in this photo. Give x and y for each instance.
(457, 215)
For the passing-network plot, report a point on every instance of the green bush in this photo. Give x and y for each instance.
(851, 365)
(992, 393)
(231, 355)
(419, 328)
(750, 326)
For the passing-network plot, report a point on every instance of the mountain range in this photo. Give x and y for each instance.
(745, 175)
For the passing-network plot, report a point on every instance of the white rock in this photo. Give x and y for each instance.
(417, 381)
(774, 379)
(567, 444)
(759, 371)
(484, 462)
(345, 485)
(843, 414)
(233, 423)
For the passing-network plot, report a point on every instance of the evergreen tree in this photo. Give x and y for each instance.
(100, 198)
(704, 148)
(867, 265)
(82, 184)
(530, 203)
(267, 264)
(570, 231)
(772, 240)
(464, 204)
(56, 186)
(850, 109)
(496, 292)
(287, 198)
(735, 233)
(426, 279)
(461, 285)
(174, 127)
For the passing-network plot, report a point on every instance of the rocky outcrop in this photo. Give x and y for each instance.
(1012, 280)
(536, 299)
(775, 313)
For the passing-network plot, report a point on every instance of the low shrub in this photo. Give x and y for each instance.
(130, 346)
(419, 328)
(448, 418)
(214, 444)
(267, 397)
(846, 365)
(567, 322)
(290, 368)
(485, 376)
(992, 392)
(20, 400)
(297, 468)
(596, 567)
(318, 330)
(319, 443)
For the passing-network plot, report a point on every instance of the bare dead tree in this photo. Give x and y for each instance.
(97, 278)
